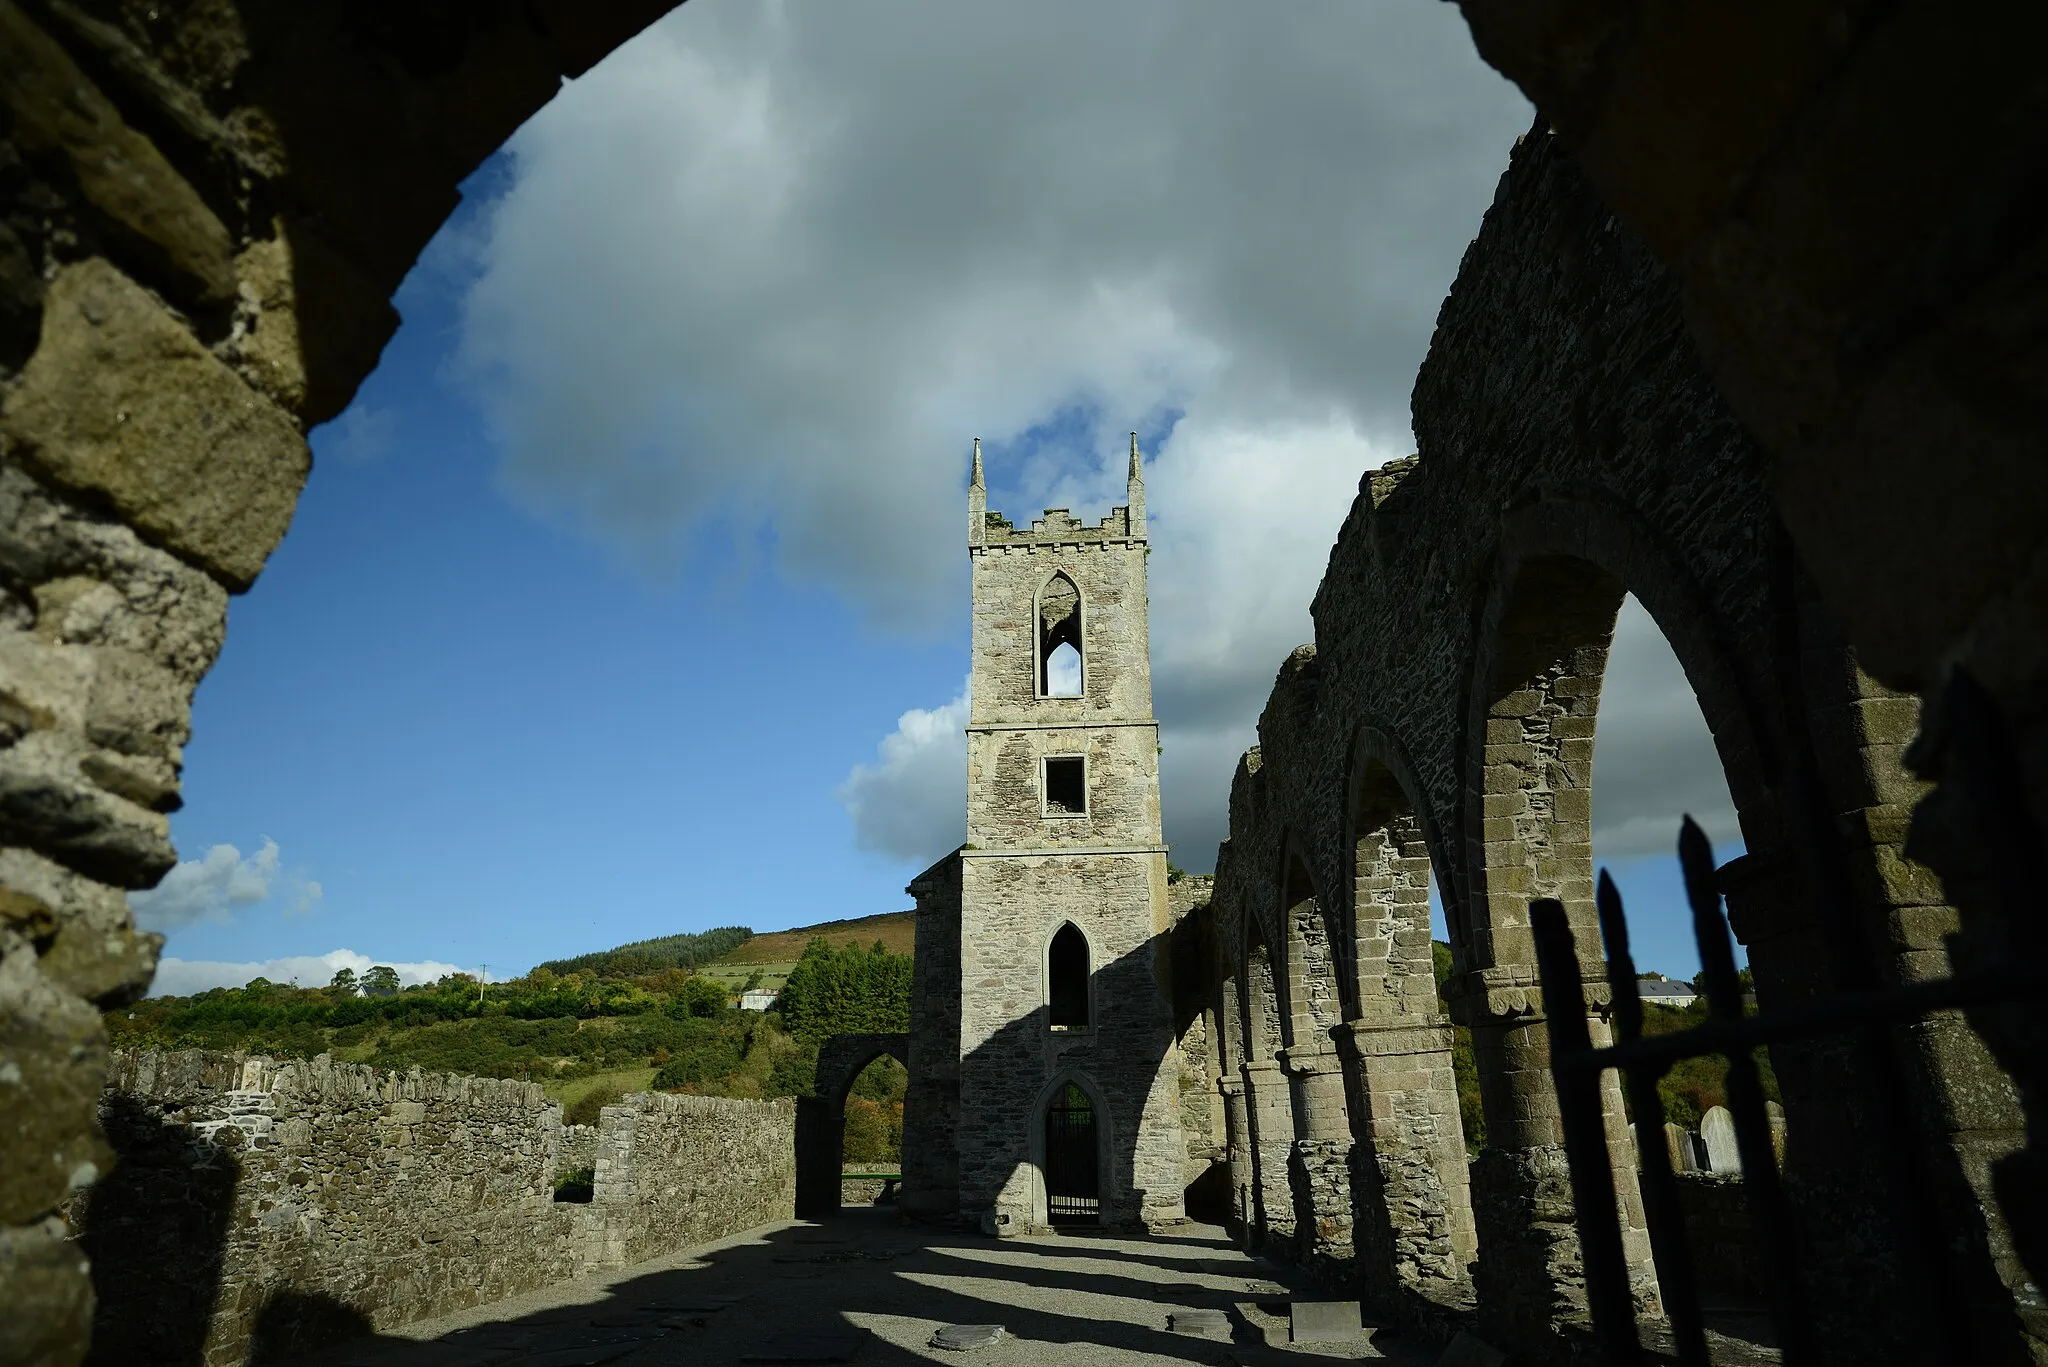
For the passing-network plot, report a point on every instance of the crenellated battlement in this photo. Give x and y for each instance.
(1059, 528)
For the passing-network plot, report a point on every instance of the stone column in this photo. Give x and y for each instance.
(1243, 1168)
(1529, 1276)
(1413, 1186)
(1319, 1166)
(1271, 1113)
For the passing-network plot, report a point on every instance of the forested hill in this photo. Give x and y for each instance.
(653, 956)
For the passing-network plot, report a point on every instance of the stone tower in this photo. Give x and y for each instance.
(1063, 993)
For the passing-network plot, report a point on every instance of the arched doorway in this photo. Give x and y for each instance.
(1073, 1173)
(821, 1140)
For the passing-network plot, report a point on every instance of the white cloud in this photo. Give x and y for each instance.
(216, 885)
(911, 804)
(773, 265)
(1247, 516)
(183, 977)
(1654, 760)
(770, 266)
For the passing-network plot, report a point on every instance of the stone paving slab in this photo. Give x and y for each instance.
(1063, 1301)
(1324, 1322)
(1214, 1324)
(961, 1338)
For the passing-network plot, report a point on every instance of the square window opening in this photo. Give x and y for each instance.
(1066, 785)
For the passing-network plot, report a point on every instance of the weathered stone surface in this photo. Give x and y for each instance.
(58, 110)
(48, 1041)
(121, 401)
(962, 1338)
(1323, 1321)
(49, 1299)
(1442, 721)
(1033, 865)
(97, 668)
(246, 1183)
(1208, 1324)
(92, 949)
(1717, 1138)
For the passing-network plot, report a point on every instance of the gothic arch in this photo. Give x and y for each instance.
(821, 1116)
(1393, 850)
(1059, 598)
(1310, 928)
(1051, 971)
(1111, 1183)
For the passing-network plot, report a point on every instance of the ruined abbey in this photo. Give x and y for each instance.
(1753, 331)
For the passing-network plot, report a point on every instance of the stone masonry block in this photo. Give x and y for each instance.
(121, 400)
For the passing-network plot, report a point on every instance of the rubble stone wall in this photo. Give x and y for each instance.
(1572, 450)
(264, 1207)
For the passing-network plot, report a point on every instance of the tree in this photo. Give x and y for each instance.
(344, 982)
(381, 981)
(701, 997)
(846, 991)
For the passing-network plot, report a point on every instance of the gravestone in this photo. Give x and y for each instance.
(1717, 1136)
(1678, 1143)
(1323, 1321)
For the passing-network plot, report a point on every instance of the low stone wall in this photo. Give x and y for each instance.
(261, 1208)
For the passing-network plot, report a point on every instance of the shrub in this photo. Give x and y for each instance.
(583, 1111)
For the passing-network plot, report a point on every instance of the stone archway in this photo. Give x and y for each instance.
(229, 198)
(821, 1116)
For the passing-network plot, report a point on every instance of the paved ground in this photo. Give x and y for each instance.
(869, 1287)
(883, 1288)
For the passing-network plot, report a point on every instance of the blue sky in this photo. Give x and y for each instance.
(628, 597)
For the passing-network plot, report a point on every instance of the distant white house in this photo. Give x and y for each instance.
(758, 998)
(1666, 991)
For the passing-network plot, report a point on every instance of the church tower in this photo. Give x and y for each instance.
(1066, 1108)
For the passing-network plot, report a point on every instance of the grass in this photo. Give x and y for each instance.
(896, 929)
(734, 976)
(570, 1090)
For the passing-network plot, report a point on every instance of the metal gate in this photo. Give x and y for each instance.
(1991, 788)
(1072, 1193)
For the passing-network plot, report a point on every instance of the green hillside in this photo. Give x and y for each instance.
(895, 930)
(588, 1029)
(652, 956)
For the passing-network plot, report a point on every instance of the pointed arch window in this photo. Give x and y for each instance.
(1066, 969)
(1059, 639)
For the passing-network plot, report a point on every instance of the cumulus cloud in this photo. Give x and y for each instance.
(1246, 521)
(769, 266)
(911, 803)
(183, 977)
(1654, 760)
(216, 885)
(772, 265)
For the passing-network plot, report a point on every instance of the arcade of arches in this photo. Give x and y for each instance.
(1785, 386)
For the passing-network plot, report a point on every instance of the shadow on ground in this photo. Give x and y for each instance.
(868, 1282)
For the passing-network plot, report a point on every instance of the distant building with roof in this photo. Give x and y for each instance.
(1666, 991)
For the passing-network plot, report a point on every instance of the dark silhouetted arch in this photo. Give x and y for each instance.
(1066, 971)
